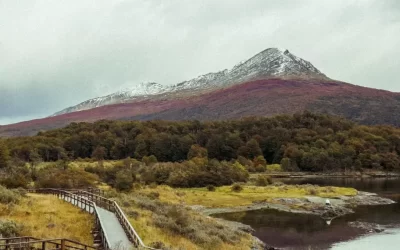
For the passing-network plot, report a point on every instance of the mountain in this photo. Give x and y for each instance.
(271, 62)
(141, 90)
(272, 82)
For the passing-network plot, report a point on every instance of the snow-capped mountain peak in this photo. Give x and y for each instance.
(276, 62)
(140, 90)
(272, 62)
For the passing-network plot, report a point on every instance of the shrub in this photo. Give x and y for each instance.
(236, 187)
(153, 195)
(9, 196)
(123, 181)
(15, 180)
(4, 154)
(274, 168)
(21, 191)
(68, 178)
(197, 151)
(148, 204)
(260, 163)
(149, 160)
(180, 221)
(137, 186)
(278, 183)
(133, 214)
(158, 245)
(263, 181)
(195, 173)
(10, 229)
(312, 191)
(180, 194)
(248, 164)
(211, 188)
(158, 173)
(260, 168)
(329, 189)
(185, 222)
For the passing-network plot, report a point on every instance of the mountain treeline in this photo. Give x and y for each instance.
(299, 142)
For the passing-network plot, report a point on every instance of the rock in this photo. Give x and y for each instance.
(236, 225)
(364, 198)
(366, 193)
(330, 212)
(197, 207)
(367, 226)
(290, 201)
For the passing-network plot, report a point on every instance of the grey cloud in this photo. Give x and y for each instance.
(54, 54)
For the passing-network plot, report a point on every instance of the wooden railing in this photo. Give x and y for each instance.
(113, 207)
(31, 243)
(91, 195)
(83, 203)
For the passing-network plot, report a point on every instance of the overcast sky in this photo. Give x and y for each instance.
(55, 54)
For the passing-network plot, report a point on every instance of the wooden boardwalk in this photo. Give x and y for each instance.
(115, 232)
(112, 228)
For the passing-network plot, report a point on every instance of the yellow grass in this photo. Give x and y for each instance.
(46, 217)
(151, 234)
(77, 164)
(224, 197)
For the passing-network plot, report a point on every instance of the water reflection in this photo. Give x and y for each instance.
(299, 231)
(294, 231)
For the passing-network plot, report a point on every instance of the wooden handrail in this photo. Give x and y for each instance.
(60, 243)
(97, 200)
(19, 238)
(113, 207)
(86, 205)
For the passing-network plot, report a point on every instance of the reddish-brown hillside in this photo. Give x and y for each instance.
(255, 98)
(277, 96)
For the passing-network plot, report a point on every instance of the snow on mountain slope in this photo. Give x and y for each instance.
(141, 90)
(271, 62)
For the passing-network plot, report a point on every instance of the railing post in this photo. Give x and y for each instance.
(43, 245)
(7, 246)
(62, 244)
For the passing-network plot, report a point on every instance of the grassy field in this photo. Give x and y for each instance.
(147, 208)
(224, 197)
(150, 234)
(143, 219)
(45, 217)
(157, 221)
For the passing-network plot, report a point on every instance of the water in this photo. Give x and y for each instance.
(298, 231)
(389, 240)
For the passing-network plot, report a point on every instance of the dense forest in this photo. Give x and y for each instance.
(299, 142)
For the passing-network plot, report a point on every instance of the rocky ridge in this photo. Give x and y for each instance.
(271, 62)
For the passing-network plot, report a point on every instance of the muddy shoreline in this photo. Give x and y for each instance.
(339, 206)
